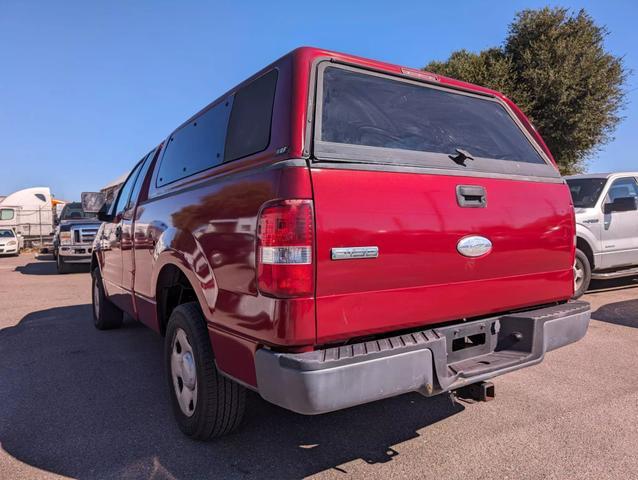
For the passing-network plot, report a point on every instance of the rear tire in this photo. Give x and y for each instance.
(205, 403)
(61, 266)
(106, 315)
(582, 274)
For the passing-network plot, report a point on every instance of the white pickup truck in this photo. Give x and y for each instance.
(606, 226)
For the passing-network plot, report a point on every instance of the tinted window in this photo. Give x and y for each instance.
(585, 191)
(363, 109)
(140, 179)
(6, 234)
(622, 188)
(250, 120)
(6, 214)
(196, 146)
(74, 211)
(125, 190)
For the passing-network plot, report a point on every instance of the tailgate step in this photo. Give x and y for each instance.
(485, 363)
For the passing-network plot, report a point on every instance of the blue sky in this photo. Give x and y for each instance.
(86, 88)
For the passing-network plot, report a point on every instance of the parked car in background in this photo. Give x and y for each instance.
(336, 230)
(30, 212)
(606, 226)
(9, 242)
(73, 237)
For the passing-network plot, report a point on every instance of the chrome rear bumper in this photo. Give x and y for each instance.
(428, 361)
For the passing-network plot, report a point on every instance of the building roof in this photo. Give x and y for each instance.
(118, 181)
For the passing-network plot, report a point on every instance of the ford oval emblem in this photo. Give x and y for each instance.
(474, 246)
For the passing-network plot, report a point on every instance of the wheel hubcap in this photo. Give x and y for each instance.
(184, 373)
(579, 274)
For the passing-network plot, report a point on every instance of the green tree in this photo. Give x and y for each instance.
(554, 66)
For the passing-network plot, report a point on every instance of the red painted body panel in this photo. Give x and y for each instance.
(205, 225)
(212, 231)
(234, 355)
(419, 277)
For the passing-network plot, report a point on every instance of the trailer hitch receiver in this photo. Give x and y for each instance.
(480, 392)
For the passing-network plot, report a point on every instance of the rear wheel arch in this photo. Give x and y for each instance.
(172, 263)
(175, 286)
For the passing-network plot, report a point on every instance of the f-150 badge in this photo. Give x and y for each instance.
(351, 253)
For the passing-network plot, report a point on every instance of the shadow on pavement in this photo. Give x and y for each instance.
(46, 266)
(620, 313)
(37, 268)
(91, 404)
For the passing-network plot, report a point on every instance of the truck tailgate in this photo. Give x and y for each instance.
(419, 277)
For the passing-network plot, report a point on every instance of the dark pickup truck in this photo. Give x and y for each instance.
(73, 236)
(336, 230)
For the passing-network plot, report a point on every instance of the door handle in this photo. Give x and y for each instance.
(471, 196)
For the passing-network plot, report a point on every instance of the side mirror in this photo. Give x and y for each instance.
(95, 202)
(621, 204)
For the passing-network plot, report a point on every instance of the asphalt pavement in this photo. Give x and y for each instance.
(81, 403)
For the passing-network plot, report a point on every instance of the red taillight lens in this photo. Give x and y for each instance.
(284, 249)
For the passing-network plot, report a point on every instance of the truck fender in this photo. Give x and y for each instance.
(588, 240)
(182, 250)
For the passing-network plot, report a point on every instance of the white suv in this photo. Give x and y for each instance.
(606, 226)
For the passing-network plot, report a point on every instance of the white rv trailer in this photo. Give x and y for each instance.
(29, 212)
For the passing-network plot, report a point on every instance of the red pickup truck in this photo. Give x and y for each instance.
(336, 230)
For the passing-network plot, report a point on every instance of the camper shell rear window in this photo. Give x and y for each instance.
(371, 117)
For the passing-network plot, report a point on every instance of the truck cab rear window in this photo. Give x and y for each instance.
(378, 111)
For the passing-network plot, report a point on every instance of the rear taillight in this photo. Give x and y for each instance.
(285, 235)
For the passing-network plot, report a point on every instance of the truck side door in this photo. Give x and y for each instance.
(128, 219)
(112, 246)
(620, 229)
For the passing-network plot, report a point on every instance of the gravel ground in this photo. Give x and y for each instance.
(80, 403)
